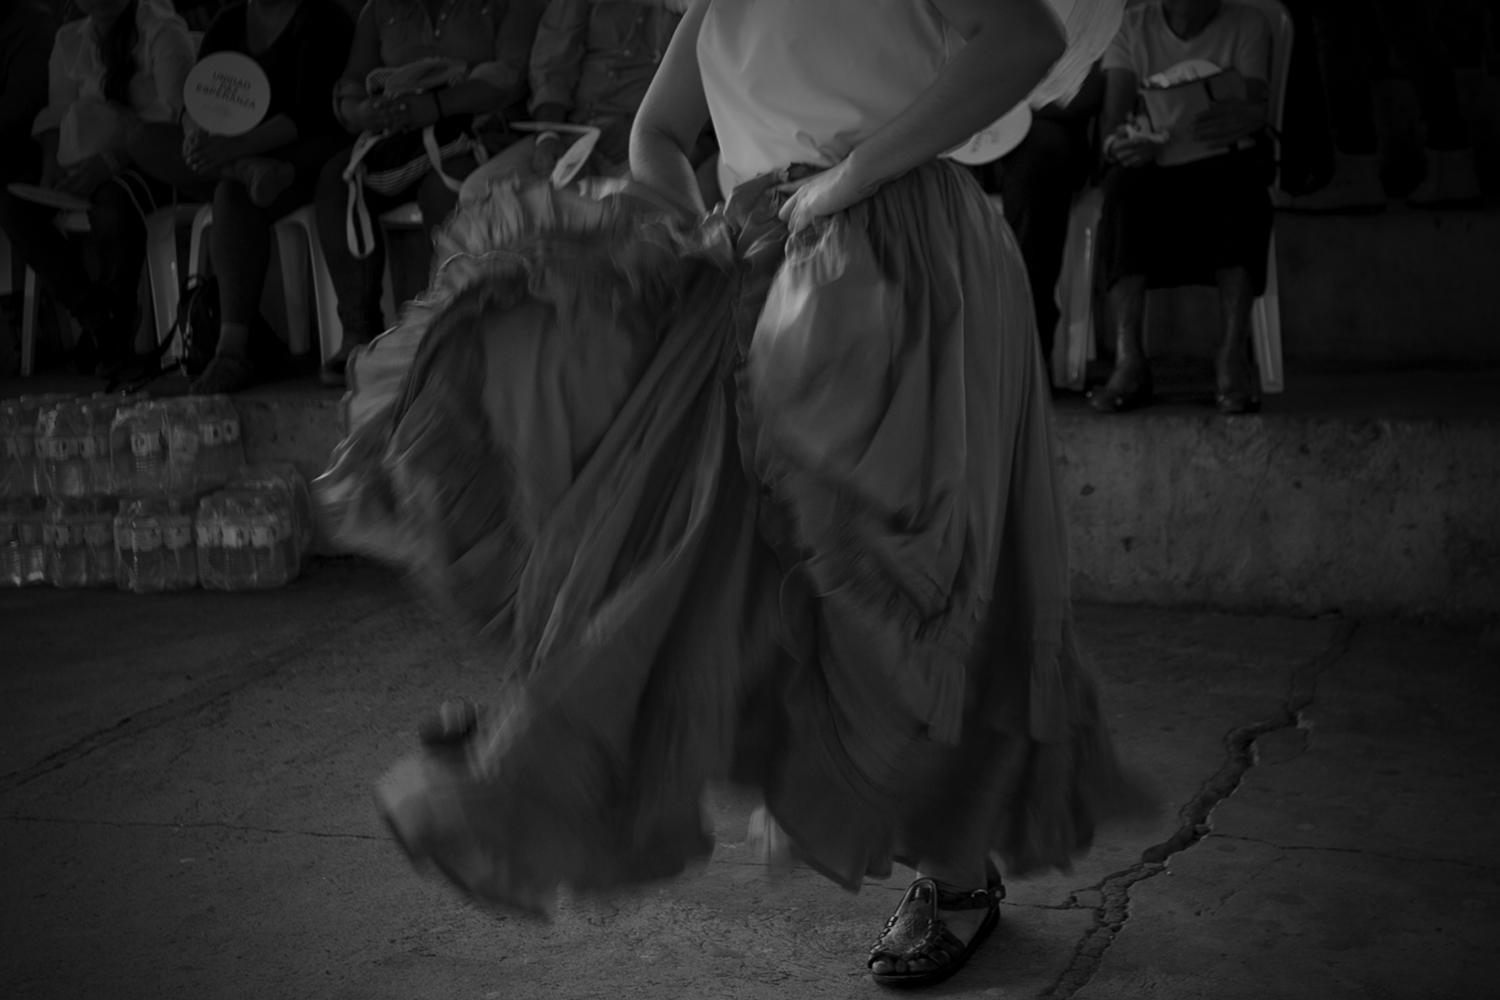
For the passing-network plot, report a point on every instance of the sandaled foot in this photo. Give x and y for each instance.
(1128, 388)
(931, 935)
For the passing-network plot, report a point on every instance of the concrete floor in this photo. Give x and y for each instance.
(184, 813)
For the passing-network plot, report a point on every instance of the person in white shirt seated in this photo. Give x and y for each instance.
(109, 137)
(1185, 200)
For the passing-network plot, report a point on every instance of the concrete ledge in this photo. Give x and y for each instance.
(1308, 515)
(1361, 494)
(1373, 494)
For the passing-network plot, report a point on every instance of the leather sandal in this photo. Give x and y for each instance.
(917, 935)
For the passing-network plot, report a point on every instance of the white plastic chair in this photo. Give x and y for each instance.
(1074, 346)
(293, 233)
(301, 257)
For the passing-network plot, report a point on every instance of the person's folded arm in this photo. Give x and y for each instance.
(500, 81)
(557, 58)
(351, 101)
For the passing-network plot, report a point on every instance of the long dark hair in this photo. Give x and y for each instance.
(117, 52)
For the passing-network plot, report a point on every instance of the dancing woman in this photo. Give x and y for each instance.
(762, 496)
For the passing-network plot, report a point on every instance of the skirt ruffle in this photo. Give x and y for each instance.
(732, 507)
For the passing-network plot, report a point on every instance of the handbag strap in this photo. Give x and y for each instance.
(359, 230)
(435, 157)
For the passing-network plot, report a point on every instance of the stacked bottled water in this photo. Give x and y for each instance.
(220, 453)
(146, 495)
(61, 432)
(78, 535)
(283, 480)
(246, 540)
(154, 545)
(20, 474)
(23, 554)
(139, 450)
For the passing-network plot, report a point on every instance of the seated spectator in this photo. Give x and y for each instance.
(109, 135)
(1205, 219)
(270, 170)
(1037, 182)
(492, 40)
(590, 65)
(26, 31)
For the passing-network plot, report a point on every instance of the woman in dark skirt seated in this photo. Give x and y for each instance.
(1185, 201)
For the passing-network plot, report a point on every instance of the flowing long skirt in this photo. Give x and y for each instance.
(732, 507)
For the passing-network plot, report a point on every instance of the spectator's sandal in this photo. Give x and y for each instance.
(917, 935)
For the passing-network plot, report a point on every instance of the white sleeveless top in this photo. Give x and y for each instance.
(804, 81)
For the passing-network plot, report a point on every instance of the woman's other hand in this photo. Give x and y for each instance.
(1228, 121)
(84, 179)
(821, 195)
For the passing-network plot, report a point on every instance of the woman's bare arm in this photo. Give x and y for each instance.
(671, 117)
(1009, 46)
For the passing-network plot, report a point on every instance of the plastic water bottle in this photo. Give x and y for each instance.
(179, 554)
(273, 543)
(99, 541)
(93, 446)
(231, 438)
(17, 464)
(180, 418)
(31, 523)
(220, 450)
(67, 558)
(240, 522)
(23, 559)
(61, 429)
(283, 479)
(138, 445)
(139, 547)
(11, 574)
(208, 533)
(21, 474)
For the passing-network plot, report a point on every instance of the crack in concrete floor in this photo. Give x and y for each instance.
(1412, 859)
(1113, 910)
(195, 700)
